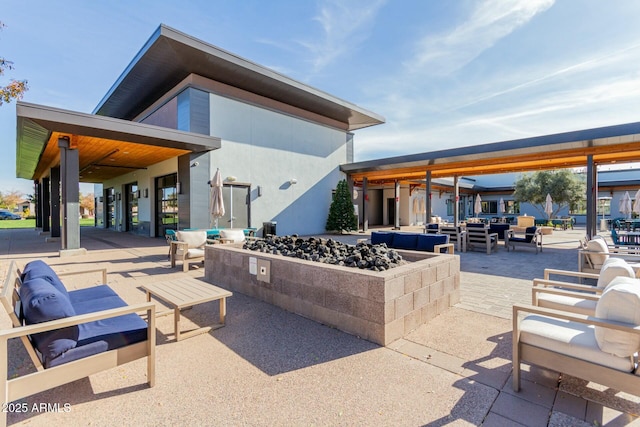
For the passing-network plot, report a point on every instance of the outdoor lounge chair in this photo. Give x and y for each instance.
(457, 236)
(532, 239)
(481, 237)
(596, 252)
(188, 246)
(577, 298)
(598, 348)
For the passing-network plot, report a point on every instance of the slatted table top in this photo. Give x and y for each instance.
(185, 292)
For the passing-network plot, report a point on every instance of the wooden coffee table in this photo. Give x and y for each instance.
(187, 292)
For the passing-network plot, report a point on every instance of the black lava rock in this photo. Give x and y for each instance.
(329, 251)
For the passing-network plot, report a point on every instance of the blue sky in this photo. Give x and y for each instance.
(443, 73)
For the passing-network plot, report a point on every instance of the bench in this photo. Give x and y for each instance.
(480, 236)
(413, 241)
(69, 335)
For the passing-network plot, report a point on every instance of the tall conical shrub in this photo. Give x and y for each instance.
(342, 215)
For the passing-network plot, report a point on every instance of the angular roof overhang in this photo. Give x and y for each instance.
(107, 147)
(619, 143)
(169, 56)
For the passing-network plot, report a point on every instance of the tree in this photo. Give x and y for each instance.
(10, 200)
(87, 203)
(16, 88)
(565, 187)
(342, 216)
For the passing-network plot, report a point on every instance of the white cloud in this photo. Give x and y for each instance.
(345, 24)
(492, 20)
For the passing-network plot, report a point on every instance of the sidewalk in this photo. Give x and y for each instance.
(271, 367)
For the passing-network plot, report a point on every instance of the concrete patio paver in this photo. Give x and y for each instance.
(271, 367)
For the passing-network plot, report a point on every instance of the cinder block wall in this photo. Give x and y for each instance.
(378, 306)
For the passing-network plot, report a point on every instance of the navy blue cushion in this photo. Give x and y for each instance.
(405, 241)
(379, 237)
(42, 302)
(39, 268)
(432, 226)
(91, 293)
(529, 232)
(475, 224)
(102, 335)
(426, 242)
(499, 228)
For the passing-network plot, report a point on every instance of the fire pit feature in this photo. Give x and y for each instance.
(329, 251)
(379, 306)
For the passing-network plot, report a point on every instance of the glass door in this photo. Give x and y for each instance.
(110, 208)
(166, 204)
(131, 194)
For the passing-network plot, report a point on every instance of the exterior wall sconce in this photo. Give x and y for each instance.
(178, 188)
(259, 191)
(119, 196)
(293, 181)
(146, 193)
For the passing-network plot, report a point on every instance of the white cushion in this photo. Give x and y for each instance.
(620, 301)
(597, 245)
(193, 238)
(567, 303)
(612, 268)
(195, 253)
(569, 338)
(233, 235)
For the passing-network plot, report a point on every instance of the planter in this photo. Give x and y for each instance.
(546, 230)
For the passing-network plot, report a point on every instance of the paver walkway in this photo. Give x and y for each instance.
(270, 367)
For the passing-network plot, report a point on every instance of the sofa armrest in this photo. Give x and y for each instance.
(103, 271)
(448, 248)
(175, 245)
(519, 309)
(549, 271)
(22, 331)
(562, 292)
(565, 285)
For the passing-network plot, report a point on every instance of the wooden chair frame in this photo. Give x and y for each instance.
(624, 381)
(44, 379)
(482, 236)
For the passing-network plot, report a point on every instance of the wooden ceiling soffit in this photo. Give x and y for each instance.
(520, 163)
(102, 159)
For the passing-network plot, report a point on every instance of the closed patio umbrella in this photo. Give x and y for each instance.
(501, 207)
(217, 202)
(625, 205)
(636, 203)
(548, 206)
(477, 207)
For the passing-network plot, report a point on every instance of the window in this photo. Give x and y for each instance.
(579, 208)
(512, 207)
(604, 206)
(490, 207)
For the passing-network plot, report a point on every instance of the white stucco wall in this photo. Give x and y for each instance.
(267, 149)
